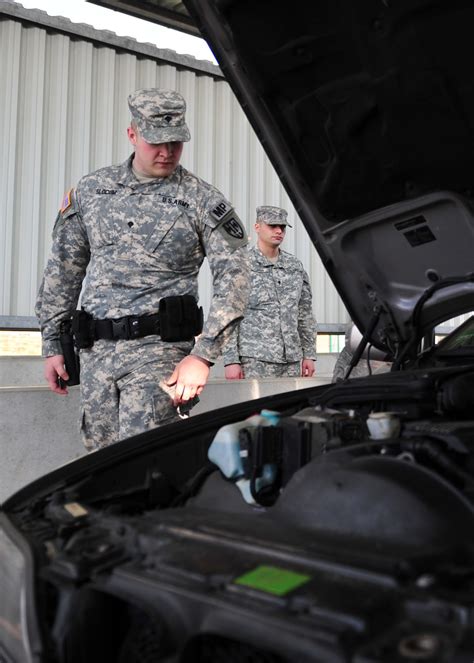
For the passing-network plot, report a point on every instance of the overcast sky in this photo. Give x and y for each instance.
(124, 25)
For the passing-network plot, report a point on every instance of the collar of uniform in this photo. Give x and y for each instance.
(264, 261)
(126, 176)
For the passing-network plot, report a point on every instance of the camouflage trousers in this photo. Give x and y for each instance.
(120, 392)
(255, 368)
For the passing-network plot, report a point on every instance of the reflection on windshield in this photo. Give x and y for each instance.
(462, 337)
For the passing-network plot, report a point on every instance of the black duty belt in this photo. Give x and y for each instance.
(178, 319)
(127, 328)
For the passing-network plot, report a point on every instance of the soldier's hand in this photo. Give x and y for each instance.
(307, 368)
(233, 372)
(189, 378)
(54, 369)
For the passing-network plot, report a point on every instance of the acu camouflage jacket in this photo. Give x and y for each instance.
(126, 244)
(278, 325)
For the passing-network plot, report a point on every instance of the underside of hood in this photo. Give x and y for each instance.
(366, 110)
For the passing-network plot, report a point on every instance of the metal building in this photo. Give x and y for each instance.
(64, 113)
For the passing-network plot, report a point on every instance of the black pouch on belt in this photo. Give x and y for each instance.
(83, 329)
(71, 357)
(181, 319)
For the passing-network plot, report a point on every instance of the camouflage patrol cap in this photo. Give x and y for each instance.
(159, 115)
(273, 216)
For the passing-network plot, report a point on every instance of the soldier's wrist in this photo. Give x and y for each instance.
(205, 361)
(51, 348)
(206, 351)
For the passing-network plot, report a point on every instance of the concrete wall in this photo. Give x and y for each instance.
(40, 430)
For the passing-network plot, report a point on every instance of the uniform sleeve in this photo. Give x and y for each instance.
(306, 321)
(342, 364)
(65, 270)
(225, 243)
(231, 348)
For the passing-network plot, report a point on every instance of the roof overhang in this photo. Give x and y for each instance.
(170, 13)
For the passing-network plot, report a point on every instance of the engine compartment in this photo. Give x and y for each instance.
(359, 546)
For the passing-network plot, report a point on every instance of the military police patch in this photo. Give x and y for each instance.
(220, 210)
(232, 229)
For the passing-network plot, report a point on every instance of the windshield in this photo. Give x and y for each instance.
(461, 338)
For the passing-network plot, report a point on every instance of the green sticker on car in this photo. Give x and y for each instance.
(272, 579)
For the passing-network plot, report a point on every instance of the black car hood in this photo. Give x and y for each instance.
(366, 110)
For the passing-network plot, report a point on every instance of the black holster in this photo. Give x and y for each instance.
(71, 357)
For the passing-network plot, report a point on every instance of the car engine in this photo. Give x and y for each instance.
(338, 528)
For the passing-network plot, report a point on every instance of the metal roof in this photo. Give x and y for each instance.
(89, 33)
(170, 13)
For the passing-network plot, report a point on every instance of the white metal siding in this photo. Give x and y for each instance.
(64, 113)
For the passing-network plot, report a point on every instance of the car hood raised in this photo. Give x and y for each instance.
(366, 110)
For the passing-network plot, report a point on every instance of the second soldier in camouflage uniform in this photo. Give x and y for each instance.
(127, 236)
(277, 337)
(364, 366)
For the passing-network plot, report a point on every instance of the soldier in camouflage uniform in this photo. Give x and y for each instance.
(127, 236)
(344, 359)
(277, 337)
(363, 367)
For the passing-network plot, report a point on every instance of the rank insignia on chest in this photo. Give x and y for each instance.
(67, 201)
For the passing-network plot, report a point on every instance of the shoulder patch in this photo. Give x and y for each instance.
(220, 210)
(232, 229)
(67, 201)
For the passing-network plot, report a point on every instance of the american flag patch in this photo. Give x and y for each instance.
(67, 201)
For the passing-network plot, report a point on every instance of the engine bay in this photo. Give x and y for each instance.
(337, 529)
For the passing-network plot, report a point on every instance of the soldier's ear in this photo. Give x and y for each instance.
(132, 135)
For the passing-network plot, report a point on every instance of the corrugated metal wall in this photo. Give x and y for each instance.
(64, 113)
